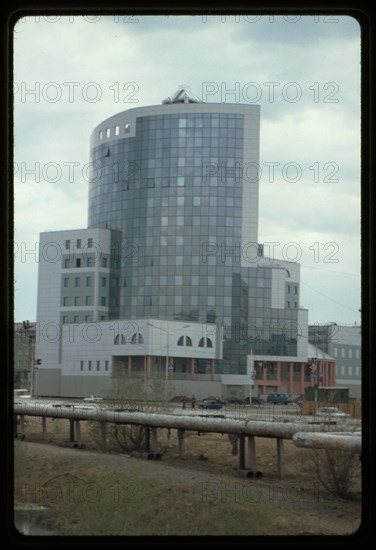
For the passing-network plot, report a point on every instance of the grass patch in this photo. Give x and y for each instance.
(135, 506)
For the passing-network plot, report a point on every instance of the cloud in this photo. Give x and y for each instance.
(78, 58)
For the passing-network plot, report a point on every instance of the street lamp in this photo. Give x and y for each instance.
(167, 342)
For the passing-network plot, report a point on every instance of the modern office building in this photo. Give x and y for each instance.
(344, 344)
(173, 229)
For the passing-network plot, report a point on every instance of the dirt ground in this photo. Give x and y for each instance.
(303, 506)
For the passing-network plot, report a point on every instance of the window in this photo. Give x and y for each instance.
(205, 343)
(65, 301)
(101, 135)
(350, 353)
(181, 341)
(288, 289)
(78, 243)
(104, 281)
(357, 371)
(357, 354)
(119, 339)
(88, 281)
(66, 282)
(67, 245)
(103, 300)
(89, 262)
(88, 301)
(75, 319)
(106, 365)
(342, 370)
(350, 371)
(78, 262)
(81, 365)
(89, 365)
(117, 130)
(65, 320)
(77, 281)
(296, 290)
(108, 132)
(87, 318)
(343, 352)
(295, 304)
(288, 304)
(90, 242)
(137, 338)
(104, 262)
(66, 263)
(76, 300)
(335, 352)
(147, 300)
(103, 318)
(127, 128)
(98, 365)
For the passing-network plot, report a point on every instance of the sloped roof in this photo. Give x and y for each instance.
(183, 95)
(314, 351)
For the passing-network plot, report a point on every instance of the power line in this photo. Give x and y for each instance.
(328, 297)
(331, 270)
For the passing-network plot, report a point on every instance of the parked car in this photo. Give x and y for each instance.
(93, 398)
(278, 398)
(235, 400)
(332, 411)
(212, 403)
(256, 401)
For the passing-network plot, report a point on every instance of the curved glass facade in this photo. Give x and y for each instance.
(174, 188)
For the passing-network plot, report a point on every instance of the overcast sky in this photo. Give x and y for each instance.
(305, 74)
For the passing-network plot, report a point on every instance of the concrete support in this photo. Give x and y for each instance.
(291, 378)
(252, 453)
(78, 432)
(148, 365)
(154, 440)
(241, 452)
(44, 427)
(279, 374)
(264, 377)
(103, 434)
(302, 368)
(212, 369)
(280, 457)
(147, 439)
(192, 367)
(181, 442)
(22, 424)
(234, 443)
(71, 431)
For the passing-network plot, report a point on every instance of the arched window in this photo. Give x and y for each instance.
(287, 273)
(119, 339)
(184, 341)
(137, 338)
(205, 343)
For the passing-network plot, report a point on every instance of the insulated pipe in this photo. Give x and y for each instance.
(352, 443)
(203, 424)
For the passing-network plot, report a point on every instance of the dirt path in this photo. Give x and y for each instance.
(314, 511)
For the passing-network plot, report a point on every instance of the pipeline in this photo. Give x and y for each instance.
(258, 428)
(351, 442)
